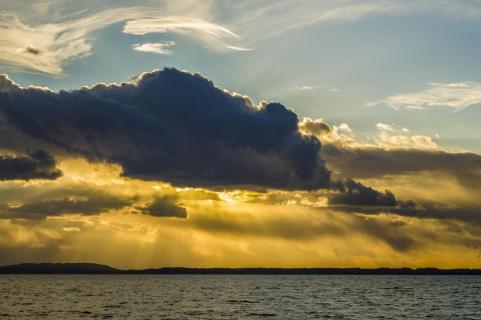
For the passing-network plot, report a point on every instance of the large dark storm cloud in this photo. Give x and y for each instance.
(172, 126)
(37, 165)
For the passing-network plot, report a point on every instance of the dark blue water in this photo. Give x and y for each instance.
(239, 297)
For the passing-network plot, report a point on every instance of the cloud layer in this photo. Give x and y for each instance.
(116, 144)
(177, 127)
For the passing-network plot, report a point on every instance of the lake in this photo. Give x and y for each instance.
(239, 297)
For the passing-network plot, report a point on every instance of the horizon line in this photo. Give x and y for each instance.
(95, 268)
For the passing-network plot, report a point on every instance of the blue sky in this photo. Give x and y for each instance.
(337, 60)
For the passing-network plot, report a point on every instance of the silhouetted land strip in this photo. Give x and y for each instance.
(92, 268)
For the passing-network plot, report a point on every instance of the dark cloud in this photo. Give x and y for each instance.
(91, 204)
(37, 165)
(172, 126)
(355, 193)
(32, 50)
(372, 162)
(466, 214)
(376, 163)
(165, 207)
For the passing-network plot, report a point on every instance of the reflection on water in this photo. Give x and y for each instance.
(239, 297)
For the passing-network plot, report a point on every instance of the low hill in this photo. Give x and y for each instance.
(92, 268)
(51, 268)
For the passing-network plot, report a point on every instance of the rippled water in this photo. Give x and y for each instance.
(239, 297)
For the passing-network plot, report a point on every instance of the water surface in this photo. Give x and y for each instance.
(239, 297)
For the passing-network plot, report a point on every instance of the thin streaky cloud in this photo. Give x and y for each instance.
(306, 87)
(235, 48)
(214, 36)
(176, 24)
(46, 48)
(457, 96)
(315, 87)
(258, 23)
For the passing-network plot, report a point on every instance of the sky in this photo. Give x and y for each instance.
(152, 133)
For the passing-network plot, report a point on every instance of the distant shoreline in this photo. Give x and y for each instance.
(92, 268)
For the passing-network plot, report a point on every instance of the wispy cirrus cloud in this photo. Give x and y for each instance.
(317, 87)
(258, 23)
(215, 36)
(306, 88)
(236, 48)
(45, 35)
(176, 24)
(47, 47)
(457, 96)
(273, 18)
